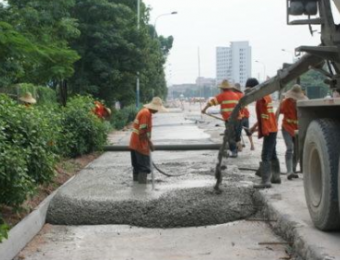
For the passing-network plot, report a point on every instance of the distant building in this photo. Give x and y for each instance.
(234, 62)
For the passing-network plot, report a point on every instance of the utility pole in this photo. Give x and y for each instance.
(137, 80)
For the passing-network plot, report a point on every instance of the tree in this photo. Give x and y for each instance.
(47, 28)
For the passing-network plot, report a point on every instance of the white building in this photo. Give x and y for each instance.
(234, 63)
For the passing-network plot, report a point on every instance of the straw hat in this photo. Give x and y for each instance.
(28, 98)
(226, 85)
(108, 111)
(295, 93)
(156, 104)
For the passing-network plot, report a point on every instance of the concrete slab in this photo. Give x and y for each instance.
(238, 240)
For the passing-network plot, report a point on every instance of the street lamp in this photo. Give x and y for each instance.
(137, 79)
(154, 27)
(264, 69)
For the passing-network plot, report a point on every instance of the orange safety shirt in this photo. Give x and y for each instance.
(99, 109)
(142, 126)
(245, 112)
(228, 99)
(265, 116)
(290, 119)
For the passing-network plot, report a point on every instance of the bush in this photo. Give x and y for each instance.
(43, 95)
(85, 132)
(3, 230)
(121, 118)
(26, 152)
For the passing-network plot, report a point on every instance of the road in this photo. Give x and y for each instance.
(181, 219)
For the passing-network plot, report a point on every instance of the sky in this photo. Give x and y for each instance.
(205, 24)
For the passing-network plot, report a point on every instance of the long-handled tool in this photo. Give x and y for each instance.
(216, 117)
(152, 173)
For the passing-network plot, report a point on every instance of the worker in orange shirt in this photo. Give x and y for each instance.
(290, 124)
(228, 99)
(267, 128)
(140, 141)
(101, 111)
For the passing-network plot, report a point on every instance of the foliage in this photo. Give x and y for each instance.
(313, 79)
(26, 150)
(83, 130)
(113, 50)
(36, 36)
(121, 118)
(43, 95)
(3, 230)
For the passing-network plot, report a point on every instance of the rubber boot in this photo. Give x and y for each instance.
(259, 170)
(142, 177)
(276, 171)
(266, 176)
(292, 176)
(135, 176)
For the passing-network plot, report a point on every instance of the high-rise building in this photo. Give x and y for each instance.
(234, 62)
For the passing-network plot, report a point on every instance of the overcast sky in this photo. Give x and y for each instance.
(210, 23)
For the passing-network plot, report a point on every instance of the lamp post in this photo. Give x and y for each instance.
(137, 79)
(172, 13)
(264, 69)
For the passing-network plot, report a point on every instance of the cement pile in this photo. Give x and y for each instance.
(179, 208)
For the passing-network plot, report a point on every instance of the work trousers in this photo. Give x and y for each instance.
(269, 148)
(141, 163)
(237, 132)
(289, 141)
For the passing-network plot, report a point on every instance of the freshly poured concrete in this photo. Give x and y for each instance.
(105, 194)
(108, 181)
(239, 240)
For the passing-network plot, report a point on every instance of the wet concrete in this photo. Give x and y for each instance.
(239, 240)
(104, 194)
(176, 201)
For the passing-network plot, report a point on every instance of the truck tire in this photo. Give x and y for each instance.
(320, 166)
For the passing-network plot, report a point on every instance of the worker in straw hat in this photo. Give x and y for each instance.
(228, 99)
(28, 99)
(290, 124)
(140, 142)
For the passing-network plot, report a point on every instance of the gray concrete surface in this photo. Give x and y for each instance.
(239, 240)
(284, 208)
(105, 194)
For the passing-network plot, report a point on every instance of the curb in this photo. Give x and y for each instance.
(297, 234)
(23, 232)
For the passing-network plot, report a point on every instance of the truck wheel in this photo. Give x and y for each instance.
(320, 166)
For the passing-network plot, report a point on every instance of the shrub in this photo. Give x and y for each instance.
(26, 153)
(84, 130)
(3, 230)
(43, 94)
(121, 118)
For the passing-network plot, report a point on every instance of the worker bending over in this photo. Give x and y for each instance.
(228, 99)
(140, 142)
(267, 127)
(290, 124)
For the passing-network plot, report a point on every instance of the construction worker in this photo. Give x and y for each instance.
(267, 127)
(101, 111)
(140, 141)
(290, 124)
(245, 123)
(27, 99)
(228, 99)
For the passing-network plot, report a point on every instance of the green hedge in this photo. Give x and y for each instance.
(32, 139)
(121, 118)
(85, 132)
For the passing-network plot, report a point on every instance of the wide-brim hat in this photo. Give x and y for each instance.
(156, 104)
(226, 85)
(295, 93)
(28, 98)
